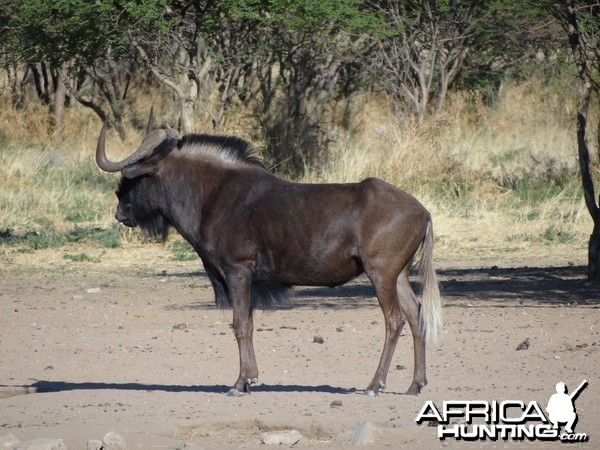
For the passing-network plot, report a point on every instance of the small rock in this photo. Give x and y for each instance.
(191, 446)
(93, 290)
(400, 367)
(94, 444)
(523, 345)
(180, 326)
(339, 329)
(281, 437)
(318, 340)
(42, 444)
(76, 297)
(364, 434)
(8, 441)
(336, 404)
(113, 441)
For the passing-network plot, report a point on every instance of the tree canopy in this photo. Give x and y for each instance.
(308, 51)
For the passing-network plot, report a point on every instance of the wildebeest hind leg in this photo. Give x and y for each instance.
(410, 307)
(394, 322)
(243, 326)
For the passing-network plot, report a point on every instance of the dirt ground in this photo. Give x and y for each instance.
(140, 350)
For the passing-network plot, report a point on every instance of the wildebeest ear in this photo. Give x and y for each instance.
(139, 169)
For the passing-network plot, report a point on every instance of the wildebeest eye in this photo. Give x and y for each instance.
(124, 188)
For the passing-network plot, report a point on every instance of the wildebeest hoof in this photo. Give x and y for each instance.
(249, 382)
(242, 388)
(233, 392)
(370, 393)
(415, 389)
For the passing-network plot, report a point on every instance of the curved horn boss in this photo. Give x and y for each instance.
(152, 140)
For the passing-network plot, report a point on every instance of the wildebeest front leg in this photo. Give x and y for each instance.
(243, 327)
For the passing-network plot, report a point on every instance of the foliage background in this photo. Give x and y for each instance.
(468, 105)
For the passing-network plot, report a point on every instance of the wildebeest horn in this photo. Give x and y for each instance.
(150, 121)
(150, 142)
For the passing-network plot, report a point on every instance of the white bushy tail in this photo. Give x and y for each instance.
(431, 304)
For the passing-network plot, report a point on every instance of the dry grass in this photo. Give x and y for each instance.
(501, 181)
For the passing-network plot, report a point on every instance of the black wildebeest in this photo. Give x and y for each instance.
(257, 235)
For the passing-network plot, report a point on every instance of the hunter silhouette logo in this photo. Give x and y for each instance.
(561, 409)
(508, 419)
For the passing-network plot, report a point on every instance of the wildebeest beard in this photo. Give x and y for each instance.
(155, 226)
(140, 211)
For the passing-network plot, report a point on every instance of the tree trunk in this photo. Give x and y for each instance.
(588, 187)
(593, 272)
(60, 94)
(582, 147)
(184, 80)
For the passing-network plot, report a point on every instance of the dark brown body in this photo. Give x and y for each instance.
(257, 235)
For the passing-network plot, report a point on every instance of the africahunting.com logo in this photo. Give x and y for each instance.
(507, 420)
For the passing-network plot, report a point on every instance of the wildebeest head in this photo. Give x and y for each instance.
(139, 191)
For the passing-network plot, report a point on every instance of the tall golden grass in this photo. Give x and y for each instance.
(500, 179)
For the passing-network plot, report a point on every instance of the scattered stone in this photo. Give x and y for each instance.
(336, 404)
(93, 290)
(290, 437)
(364, 434)
(191, 446)
(400, 367)
(339, 329)
(523, 345)
(180, 326)
(42, 444)
(113, 441)
(76, 297)
(8, 441)
(94, 444)
(318, 340)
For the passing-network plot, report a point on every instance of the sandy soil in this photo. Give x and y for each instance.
(86, 349)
